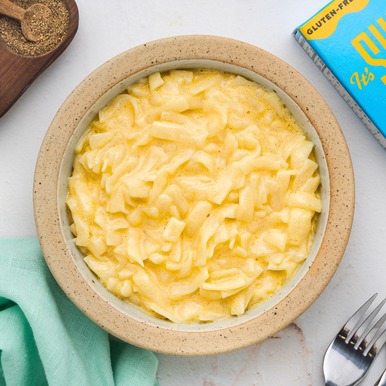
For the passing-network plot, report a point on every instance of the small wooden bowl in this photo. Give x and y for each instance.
(54, 166)
(18, 72)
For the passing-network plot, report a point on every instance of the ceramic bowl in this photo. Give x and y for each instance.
(54, 166)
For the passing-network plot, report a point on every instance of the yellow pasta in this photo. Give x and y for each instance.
(194, 195)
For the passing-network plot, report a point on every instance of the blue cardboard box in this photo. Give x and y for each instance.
(347, 41)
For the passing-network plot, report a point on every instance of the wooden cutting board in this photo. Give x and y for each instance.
(18, 72)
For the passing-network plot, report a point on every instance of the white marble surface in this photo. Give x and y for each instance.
(294, 356)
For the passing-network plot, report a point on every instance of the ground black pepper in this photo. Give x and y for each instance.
(56, 28)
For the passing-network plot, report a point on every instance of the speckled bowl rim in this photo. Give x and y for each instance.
(336, 234)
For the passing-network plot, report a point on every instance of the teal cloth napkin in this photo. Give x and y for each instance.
(46, 340)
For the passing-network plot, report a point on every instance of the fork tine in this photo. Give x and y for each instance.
(352, 324)
(373, 335)
(365, 327)
(374, 349)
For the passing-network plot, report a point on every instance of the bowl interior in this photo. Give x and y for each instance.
(66, 170)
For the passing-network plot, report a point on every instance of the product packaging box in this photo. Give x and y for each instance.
(347, 41)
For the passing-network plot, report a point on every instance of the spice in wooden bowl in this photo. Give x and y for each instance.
(51, 29)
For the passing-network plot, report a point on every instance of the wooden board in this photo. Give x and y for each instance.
(18, 72)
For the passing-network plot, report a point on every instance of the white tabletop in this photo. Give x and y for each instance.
(107, 28)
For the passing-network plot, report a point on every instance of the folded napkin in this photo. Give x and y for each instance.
(46, 340)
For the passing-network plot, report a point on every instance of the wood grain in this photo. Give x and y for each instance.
(18, 72)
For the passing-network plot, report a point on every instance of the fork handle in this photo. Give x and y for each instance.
(382, 380)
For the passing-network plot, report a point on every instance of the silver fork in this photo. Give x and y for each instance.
(352, 352)
(382, 380)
